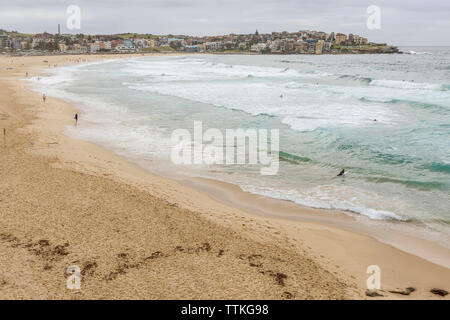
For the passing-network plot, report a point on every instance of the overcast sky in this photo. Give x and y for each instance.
(403, 22)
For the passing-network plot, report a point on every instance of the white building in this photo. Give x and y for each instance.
(94, 47)
(213, 46)
(258, 47)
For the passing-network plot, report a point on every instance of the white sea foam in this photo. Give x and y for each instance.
(419, 53)
(57, 76)
(328, 197)
(405, 84)
(194, 69)
(304, 109)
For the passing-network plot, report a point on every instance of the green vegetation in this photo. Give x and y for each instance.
(136, 35)
(50, 46)
(358, 47)
(23, 35)
(17, 34)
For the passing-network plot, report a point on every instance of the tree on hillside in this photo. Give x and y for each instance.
(176, 45)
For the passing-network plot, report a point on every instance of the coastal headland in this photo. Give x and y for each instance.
(300, 42)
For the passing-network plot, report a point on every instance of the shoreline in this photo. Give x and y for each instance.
(385, 231)
(284, 209)
(327, 245)
(403, 235)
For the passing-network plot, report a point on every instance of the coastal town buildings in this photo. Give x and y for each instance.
(340, 38)
(300, 42)
(4, 41)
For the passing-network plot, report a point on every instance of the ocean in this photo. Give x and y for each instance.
(384, 118)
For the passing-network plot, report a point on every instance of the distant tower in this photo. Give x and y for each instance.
(59, 29)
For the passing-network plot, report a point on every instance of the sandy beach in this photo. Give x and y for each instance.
(137, 235)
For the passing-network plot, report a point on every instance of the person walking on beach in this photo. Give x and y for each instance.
(43, 97)
(76, 118)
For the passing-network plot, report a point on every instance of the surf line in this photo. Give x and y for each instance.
(210, 147)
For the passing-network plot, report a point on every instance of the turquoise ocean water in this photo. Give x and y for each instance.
(399, 165)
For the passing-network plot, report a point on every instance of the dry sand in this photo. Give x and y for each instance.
(136, 235)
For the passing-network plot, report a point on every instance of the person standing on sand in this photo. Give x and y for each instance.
(43, 97)
(76, 118)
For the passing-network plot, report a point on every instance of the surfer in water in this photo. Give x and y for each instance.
(342, 173)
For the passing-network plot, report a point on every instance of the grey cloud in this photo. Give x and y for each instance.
(404, 22)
